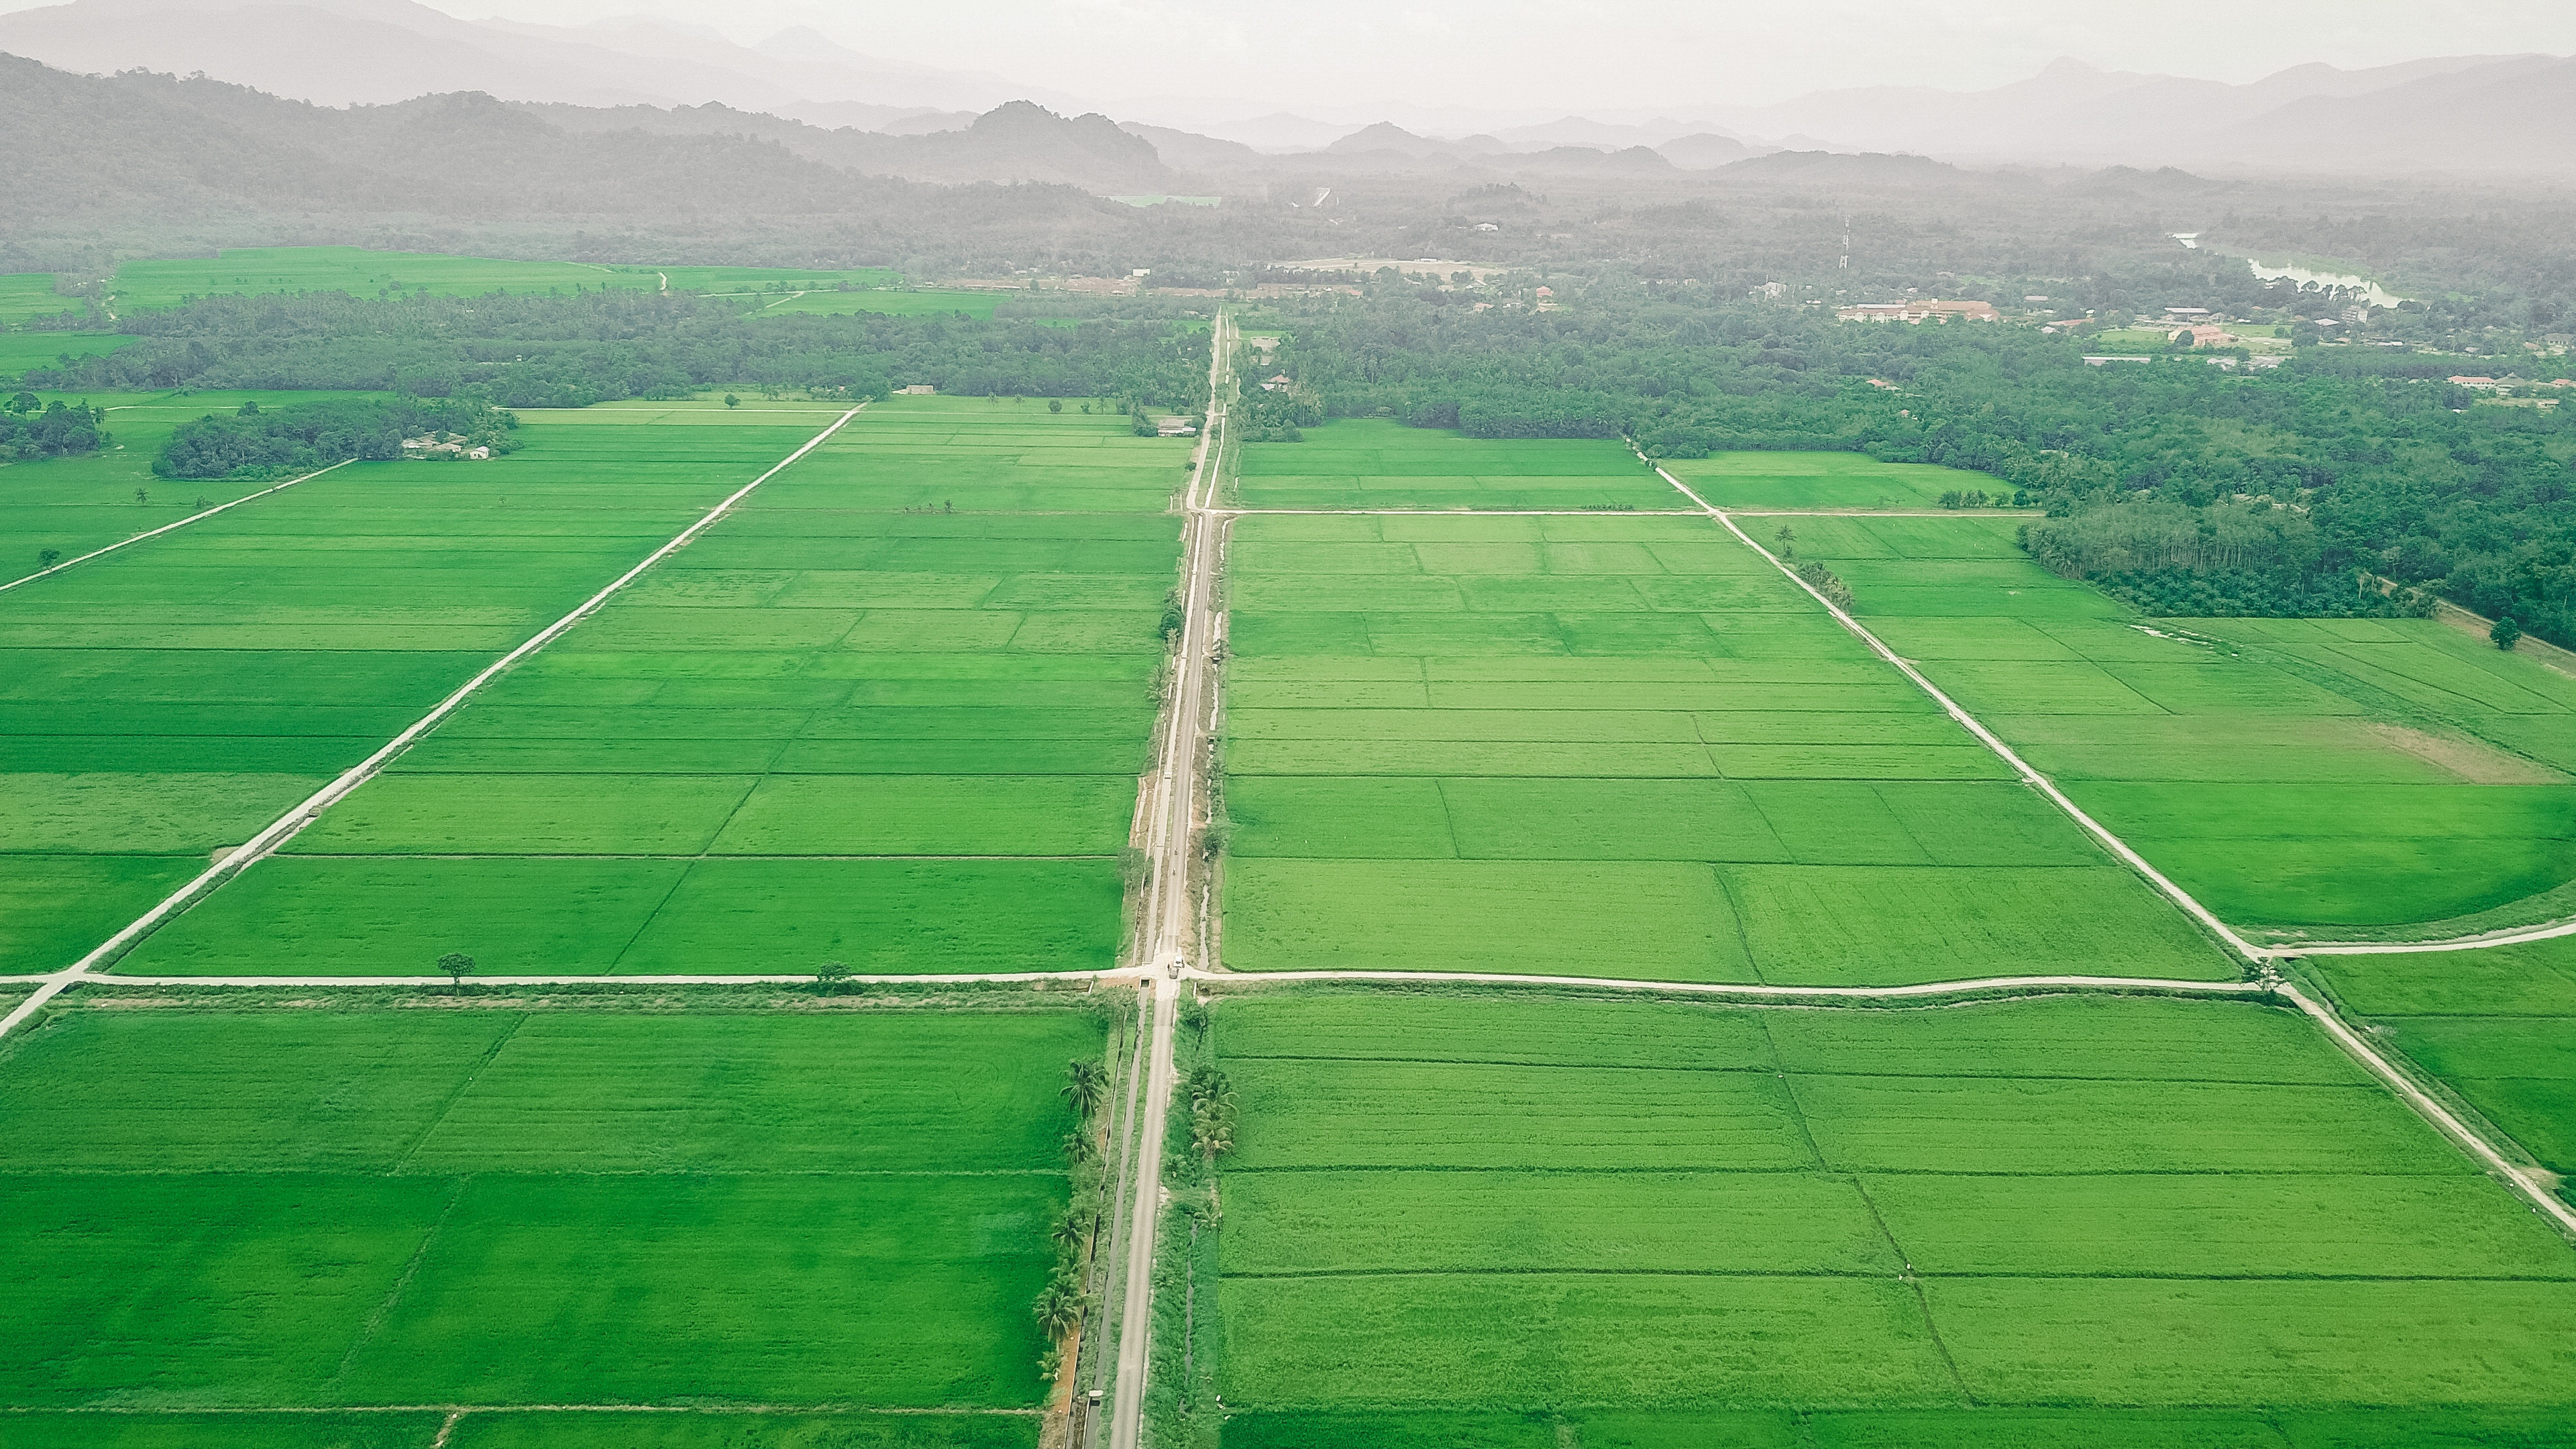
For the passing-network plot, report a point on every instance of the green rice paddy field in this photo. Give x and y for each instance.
(1622, 746)
(2317, 778)
(30, 294)
(1760, 480)
(847, 723)
(1373, 463)
(506, 1205)
(2496, 1026)
(20, 351)
(74, 505)
(1538, 1219)
(168, 701)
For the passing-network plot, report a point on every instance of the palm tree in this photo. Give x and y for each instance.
(1086, 1083)
(1059, 1307)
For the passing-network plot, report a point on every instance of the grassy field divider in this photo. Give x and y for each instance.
(2142, 985)
(286, 826)
(2253, 954)
(165, 528)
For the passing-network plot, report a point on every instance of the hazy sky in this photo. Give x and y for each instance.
(1595, 54)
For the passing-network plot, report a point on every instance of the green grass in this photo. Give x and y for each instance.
(167, 701)
(1821, 480)
(1621, 746)
(830, 729)
(505, 1207)
(1370, 463)
(2319, 778)
(1454, 1218)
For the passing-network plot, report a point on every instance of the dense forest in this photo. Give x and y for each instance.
(2270, 491)
(571, 351)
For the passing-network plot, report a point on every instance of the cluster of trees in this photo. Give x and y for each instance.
(2295, 481)
(570, 351)
(256, 442)
(50, 430)
(1067, 1295)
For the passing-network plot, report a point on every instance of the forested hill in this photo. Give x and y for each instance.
(146, 161)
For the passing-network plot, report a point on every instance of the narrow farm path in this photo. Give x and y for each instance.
(167, 527)
(288, 825)
(1164, 928)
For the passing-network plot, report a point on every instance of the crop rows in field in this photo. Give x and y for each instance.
(2315, 777)
(1621, 747)
(847, 723)
(501, 1206)
(1822, 480)
(1445, 1204)
(167, 702)
(1370, 463)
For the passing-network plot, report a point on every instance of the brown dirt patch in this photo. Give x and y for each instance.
(2475, 761)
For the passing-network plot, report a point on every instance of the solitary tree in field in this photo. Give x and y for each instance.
(142, 495)
(2505, 634)
(458, 966)
(1055, 404)
(48, 557)
(831, 974)
(731, 401)
(1788, 538)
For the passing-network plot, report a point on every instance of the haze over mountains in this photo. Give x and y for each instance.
(2476, 114)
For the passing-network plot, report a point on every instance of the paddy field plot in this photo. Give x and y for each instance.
(1374, 463)
(164, 703)
(2495, 1026)
(890, 712)
(2318, 778)
(31, 294)
(1758, 480)
(1621, 747)
(73, 505)
(499, 1204)
(2160, 1221)
(20, 351)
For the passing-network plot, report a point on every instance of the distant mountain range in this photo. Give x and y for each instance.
(374, 52)
(2490, 114)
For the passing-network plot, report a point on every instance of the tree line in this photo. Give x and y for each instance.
(2273, 491)
(552, 350)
